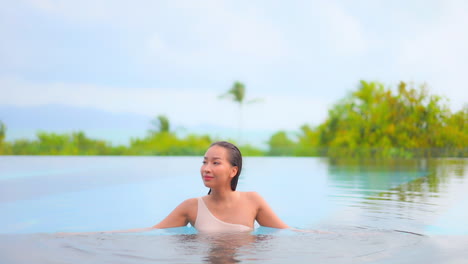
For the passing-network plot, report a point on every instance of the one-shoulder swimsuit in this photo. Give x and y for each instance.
(206, 222)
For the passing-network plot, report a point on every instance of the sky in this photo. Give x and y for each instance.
(176, 57)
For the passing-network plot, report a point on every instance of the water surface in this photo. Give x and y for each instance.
(374, 211)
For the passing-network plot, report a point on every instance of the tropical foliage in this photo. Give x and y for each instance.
(2, 136)
(160, 141)
(161, 124)
(373, 121)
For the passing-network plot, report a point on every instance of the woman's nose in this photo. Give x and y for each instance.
(206, 167)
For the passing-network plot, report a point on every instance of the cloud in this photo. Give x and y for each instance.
(212, 35)
(291, 54)
(286, 112)
(437, 53)
(201, 28)
(88, 11)
(183, 32)
(344, 32)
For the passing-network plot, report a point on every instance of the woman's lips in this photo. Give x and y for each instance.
(207, 178)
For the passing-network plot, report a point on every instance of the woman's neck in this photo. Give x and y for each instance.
(224, 195)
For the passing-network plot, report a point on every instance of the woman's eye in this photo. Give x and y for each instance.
(204, 162)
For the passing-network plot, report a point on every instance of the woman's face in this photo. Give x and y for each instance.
(216, 169)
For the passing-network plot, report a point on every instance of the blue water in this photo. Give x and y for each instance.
(373, 211)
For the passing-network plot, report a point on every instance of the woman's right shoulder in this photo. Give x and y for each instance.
(188, 207)
(190, 202)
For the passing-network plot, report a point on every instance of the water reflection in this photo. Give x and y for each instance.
(434, 184)
(393, 179)
(391, 192)
(348, 245)
(221, 248)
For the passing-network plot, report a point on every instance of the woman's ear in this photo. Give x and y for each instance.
(234, 171)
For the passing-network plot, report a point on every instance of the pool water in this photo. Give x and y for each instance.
(393, 211)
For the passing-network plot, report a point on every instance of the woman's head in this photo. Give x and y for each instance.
(231, 154)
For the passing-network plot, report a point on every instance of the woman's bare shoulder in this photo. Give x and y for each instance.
(188, 207)
(253, 196)
(190, 202)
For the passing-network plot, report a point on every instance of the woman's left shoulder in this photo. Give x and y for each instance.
(252, 196)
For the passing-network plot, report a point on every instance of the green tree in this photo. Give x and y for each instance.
(307, 144)
(373, 121)
(24, 147)
(2, 131)
(281, 145)
(161, 124)
(161, 141)
(75, 143)
(2, 137)
(53, 143)
(82, 145)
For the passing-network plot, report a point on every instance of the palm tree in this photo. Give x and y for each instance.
(237, 94)
(2, 136)
(161, 123)
(2, 131)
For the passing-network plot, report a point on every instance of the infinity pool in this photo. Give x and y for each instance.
(394, 211)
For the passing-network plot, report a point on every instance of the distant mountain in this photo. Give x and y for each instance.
(118, 128)
(24, 122)
(69, 117)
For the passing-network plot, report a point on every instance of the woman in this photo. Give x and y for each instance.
(224, 209)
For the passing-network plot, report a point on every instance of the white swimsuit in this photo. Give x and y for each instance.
(206, 222)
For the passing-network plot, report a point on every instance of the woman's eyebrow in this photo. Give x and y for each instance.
(212, 158)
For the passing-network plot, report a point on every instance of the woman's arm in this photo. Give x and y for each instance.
(265, 215)
(179, 216)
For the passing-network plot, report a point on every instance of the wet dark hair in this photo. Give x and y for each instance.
(235, 158)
